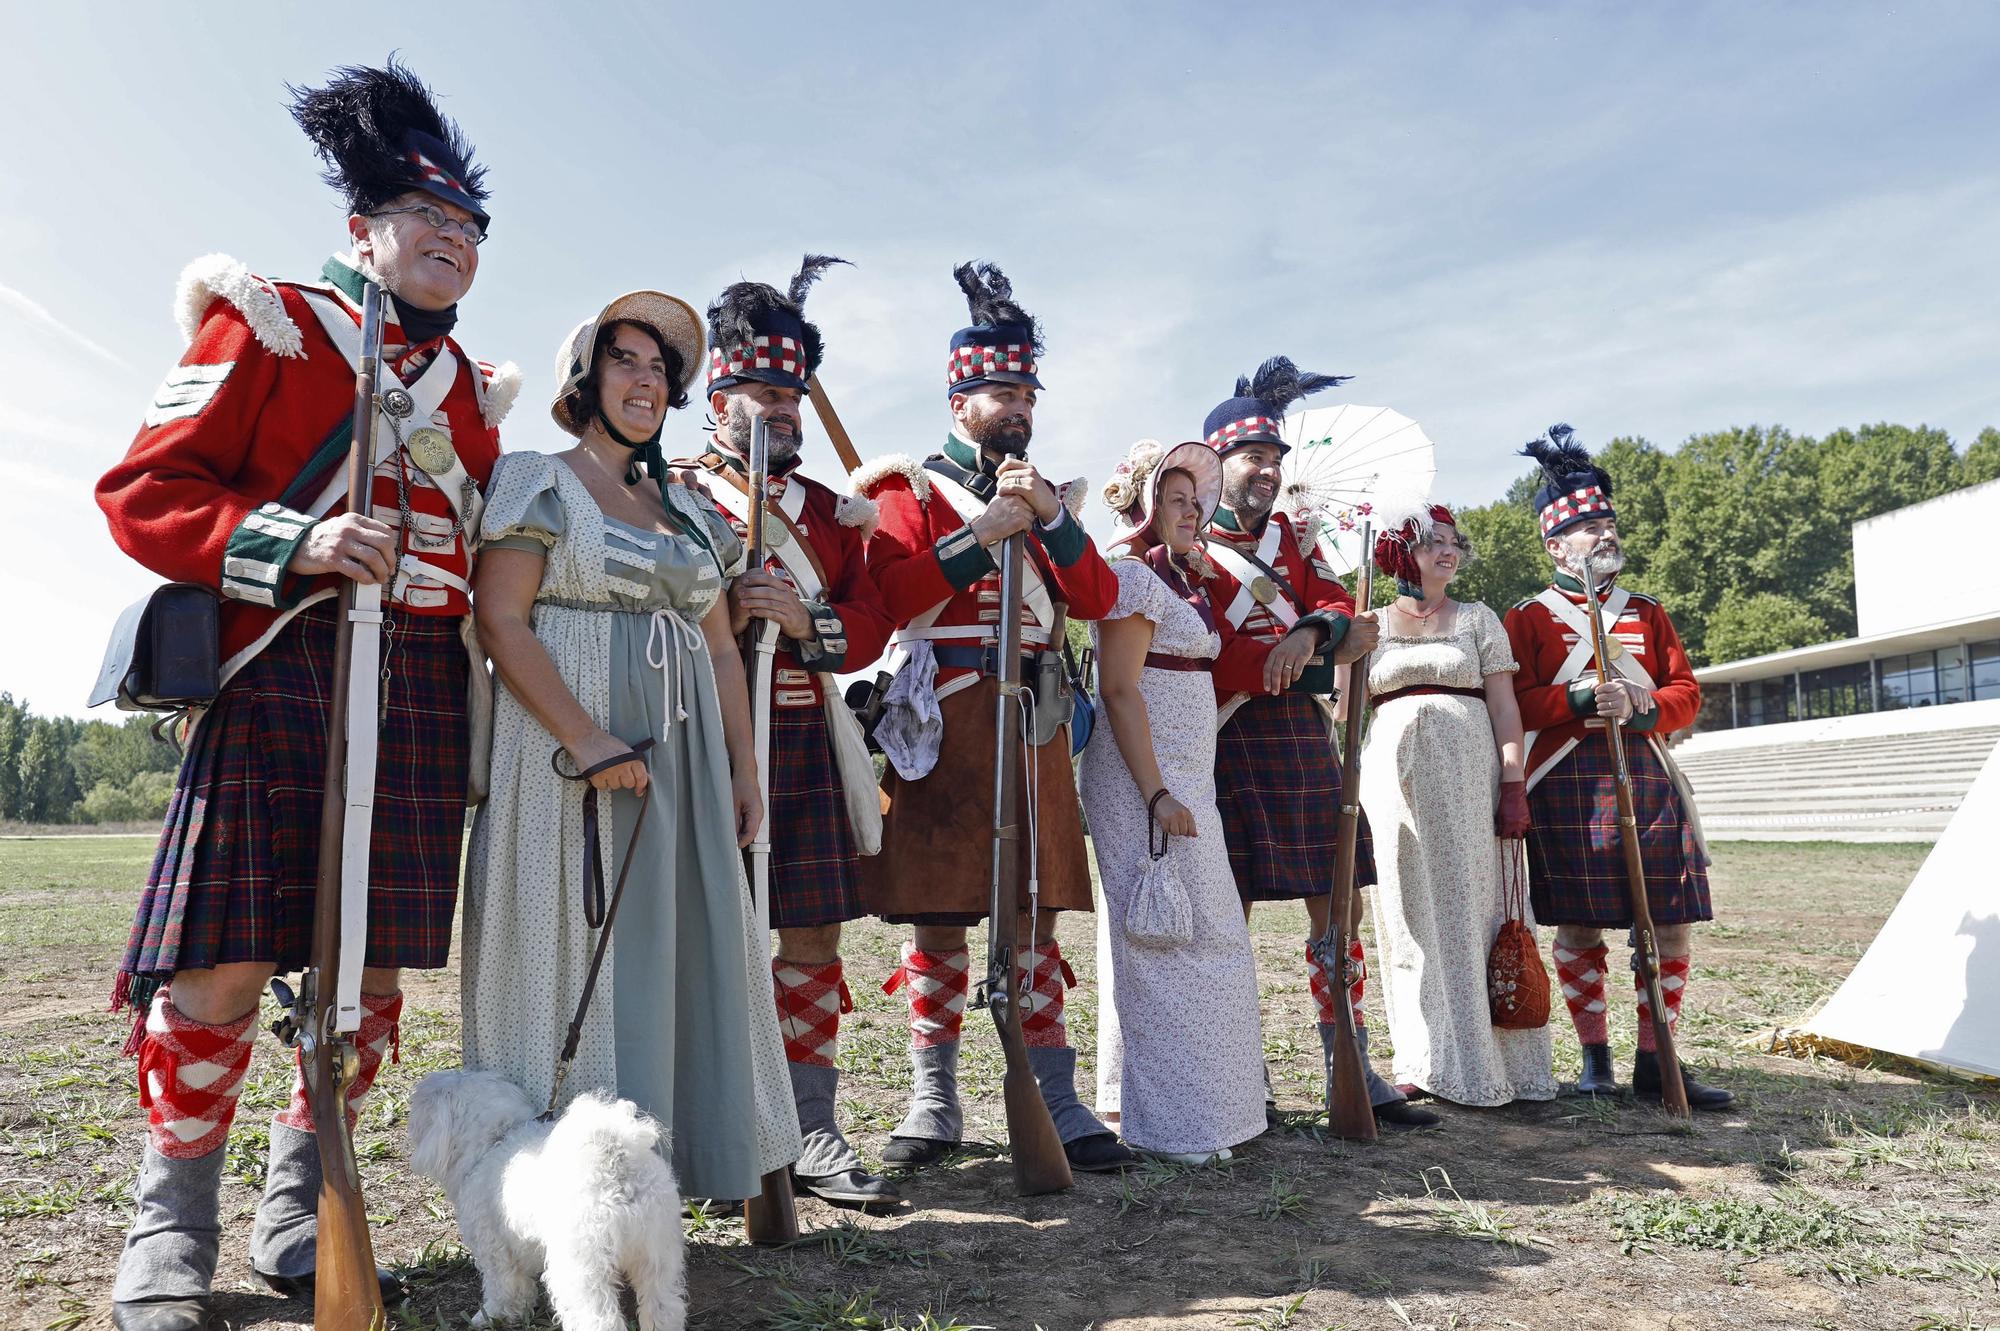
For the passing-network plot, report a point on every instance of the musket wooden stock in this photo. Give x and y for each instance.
(1645, 953)
(835, 431)
(1348, 1112)
(1040, 1166)
(770, 1218)
(346, 1295)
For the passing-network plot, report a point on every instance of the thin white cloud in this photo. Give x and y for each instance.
(38, 313)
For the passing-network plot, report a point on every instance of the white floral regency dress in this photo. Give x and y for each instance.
(1180, 1053)
(1429, 778)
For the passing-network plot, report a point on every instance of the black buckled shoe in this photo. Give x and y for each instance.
(1598, 1076)
(1099, 1153)
(1403, 1114)
(851, 1187)
(1646, 1083)
(915, 1152)
(301, 1288)
(166, 1315)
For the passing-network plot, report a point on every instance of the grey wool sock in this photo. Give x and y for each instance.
(934, 1112)
(1380, 1092)
(176, 1237)
(284, 1240)
(1055, 1070)
(826, 1151)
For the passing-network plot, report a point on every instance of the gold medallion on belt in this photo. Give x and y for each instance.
(1262, 590)
(431, 450)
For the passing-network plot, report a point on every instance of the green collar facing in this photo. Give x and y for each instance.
(344, 275)
(964, 454)
(1226, 519)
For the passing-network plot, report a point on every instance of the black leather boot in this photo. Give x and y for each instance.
(1646, 1084)
(1599, 1077)
(166, 1315)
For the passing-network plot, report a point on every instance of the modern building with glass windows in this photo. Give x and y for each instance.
(1910, 564)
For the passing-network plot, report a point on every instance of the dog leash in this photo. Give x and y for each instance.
(597, 913)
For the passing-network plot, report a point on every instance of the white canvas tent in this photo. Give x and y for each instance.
(1929, 985)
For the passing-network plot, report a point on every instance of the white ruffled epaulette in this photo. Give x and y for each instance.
(871, 474)
(1073, 494)
(857, 511)
(218, 277)
(501, 384)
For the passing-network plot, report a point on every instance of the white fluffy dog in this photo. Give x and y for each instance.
(579, 1201)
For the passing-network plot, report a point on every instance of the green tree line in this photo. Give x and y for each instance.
(1742, 534)
(55, 769)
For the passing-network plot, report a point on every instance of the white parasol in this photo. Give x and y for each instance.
(1345, 461)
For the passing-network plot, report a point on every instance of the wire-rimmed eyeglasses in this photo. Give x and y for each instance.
(439, 220)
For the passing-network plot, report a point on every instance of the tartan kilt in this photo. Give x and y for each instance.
(1277, 785)
(1576, 859)
(813, 879)
(233, 878)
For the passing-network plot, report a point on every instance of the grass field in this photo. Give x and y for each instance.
(1835, 1197)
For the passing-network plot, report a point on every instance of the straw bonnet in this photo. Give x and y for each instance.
(1137, 479)
(676, 322)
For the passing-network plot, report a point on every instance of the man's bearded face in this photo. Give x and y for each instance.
(1000, 418)
(1596, 540)
(1250, 476)
(780, 409)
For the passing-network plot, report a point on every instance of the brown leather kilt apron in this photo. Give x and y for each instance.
(936, 865)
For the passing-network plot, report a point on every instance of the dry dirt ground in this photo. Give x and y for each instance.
(1835, 1196)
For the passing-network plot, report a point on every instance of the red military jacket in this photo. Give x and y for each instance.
(1564, 713)
(923, 555)
(851, 626)
(220, 485)
(1249, 629)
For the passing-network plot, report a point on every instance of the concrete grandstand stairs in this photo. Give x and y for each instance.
(1880, 787)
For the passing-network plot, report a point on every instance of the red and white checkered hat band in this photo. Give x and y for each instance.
(783, 354)
(970, 362)
(434, 173)
(1238, 430)
(1587, 502)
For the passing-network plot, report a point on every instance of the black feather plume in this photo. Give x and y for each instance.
(990, 298)
(809, 270)
(733, 316)
(1278, 384)
(1564, 462)
(357, 122)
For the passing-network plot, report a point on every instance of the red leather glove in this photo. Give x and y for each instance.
(1511, 820)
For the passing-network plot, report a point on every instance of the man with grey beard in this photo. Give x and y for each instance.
(815, 586)
(1575, 858)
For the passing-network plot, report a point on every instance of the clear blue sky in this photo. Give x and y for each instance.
(1650, 220)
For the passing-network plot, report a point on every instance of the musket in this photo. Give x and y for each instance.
(346, 1295)
(764, 644)
(1645, 951)
(835, 431)
(1348, 1112)
(1039, 1163)
(771, 1217)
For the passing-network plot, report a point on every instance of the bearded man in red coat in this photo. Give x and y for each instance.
(942, 524)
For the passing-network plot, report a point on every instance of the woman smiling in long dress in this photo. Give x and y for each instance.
(1444, 749)
(1179, 1051)
(600, 600)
